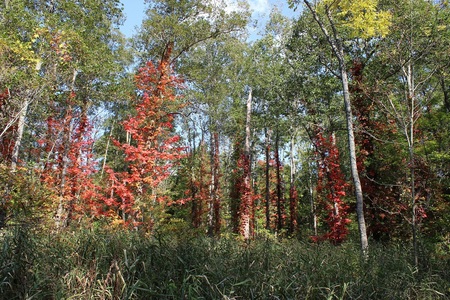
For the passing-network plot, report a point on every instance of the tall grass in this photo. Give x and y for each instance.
(102, 264)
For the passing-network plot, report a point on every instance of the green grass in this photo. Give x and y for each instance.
(101, 264)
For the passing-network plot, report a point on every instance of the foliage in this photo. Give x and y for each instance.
(25, 200)
(357, 19)
(151, 155)
(331, 188)
(84, 148)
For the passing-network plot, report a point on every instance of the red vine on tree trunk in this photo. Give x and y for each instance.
(331, 187)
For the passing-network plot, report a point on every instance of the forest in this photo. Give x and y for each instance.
(218, 154)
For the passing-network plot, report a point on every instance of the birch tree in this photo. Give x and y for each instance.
(359, 19)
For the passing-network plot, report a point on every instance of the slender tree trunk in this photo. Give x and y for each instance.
(292, 190)
(353, 160)
(20, 128)
(279, 186)
(410, 138)
(312, 207)
(446, 92)
(214, 201)
(212, 189)
(267, 178)
(106, 150)
(246, 204)
(336, 44)
(61, 215)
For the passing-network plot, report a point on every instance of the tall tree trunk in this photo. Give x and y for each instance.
(292, 190)
(61, 215)
(446, 92)
(246, 201)
(214, 201)
(217, 204)
(336, 44)
(105, 156)
(409, 132)
(280, 200)
(236, 187)
(353, 159)
(312, 206)
(267, 178)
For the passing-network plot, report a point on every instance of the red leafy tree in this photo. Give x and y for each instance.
(136, 193)
(68, 163)
(82, 192)
(331, 188)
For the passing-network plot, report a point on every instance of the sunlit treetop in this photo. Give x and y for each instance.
(359, 18)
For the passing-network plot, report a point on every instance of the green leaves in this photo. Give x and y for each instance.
(185, 24)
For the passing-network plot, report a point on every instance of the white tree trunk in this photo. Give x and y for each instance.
(248, 197)
(409, 132)
(20, 128)
(336, 45)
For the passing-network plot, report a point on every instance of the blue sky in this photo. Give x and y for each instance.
(134, 11)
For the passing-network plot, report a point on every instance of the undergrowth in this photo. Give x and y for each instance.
(104, 264)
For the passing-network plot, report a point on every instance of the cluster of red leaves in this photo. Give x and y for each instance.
(243, 209)
(7, 140)
(153, 149)
(68, 163)
(81, 188)
(273, 195)
(331, 187)
(385, 205)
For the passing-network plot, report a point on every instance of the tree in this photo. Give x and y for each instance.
(356, 15)
(152, 150)
(182, 25)
(68, 62)
(408, 56)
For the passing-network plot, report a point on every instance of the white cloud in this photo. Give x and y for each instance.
(256, 6)
(260, 6)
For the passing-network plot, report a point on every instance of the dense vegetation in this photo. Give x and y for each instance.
(198, 159)
(101, 264)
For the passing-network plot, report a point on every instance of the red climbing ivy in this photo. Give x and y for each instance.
(331, 189)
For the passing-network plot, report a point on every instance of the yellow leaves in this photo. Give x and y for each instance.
(20, 50)
(359, 17)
